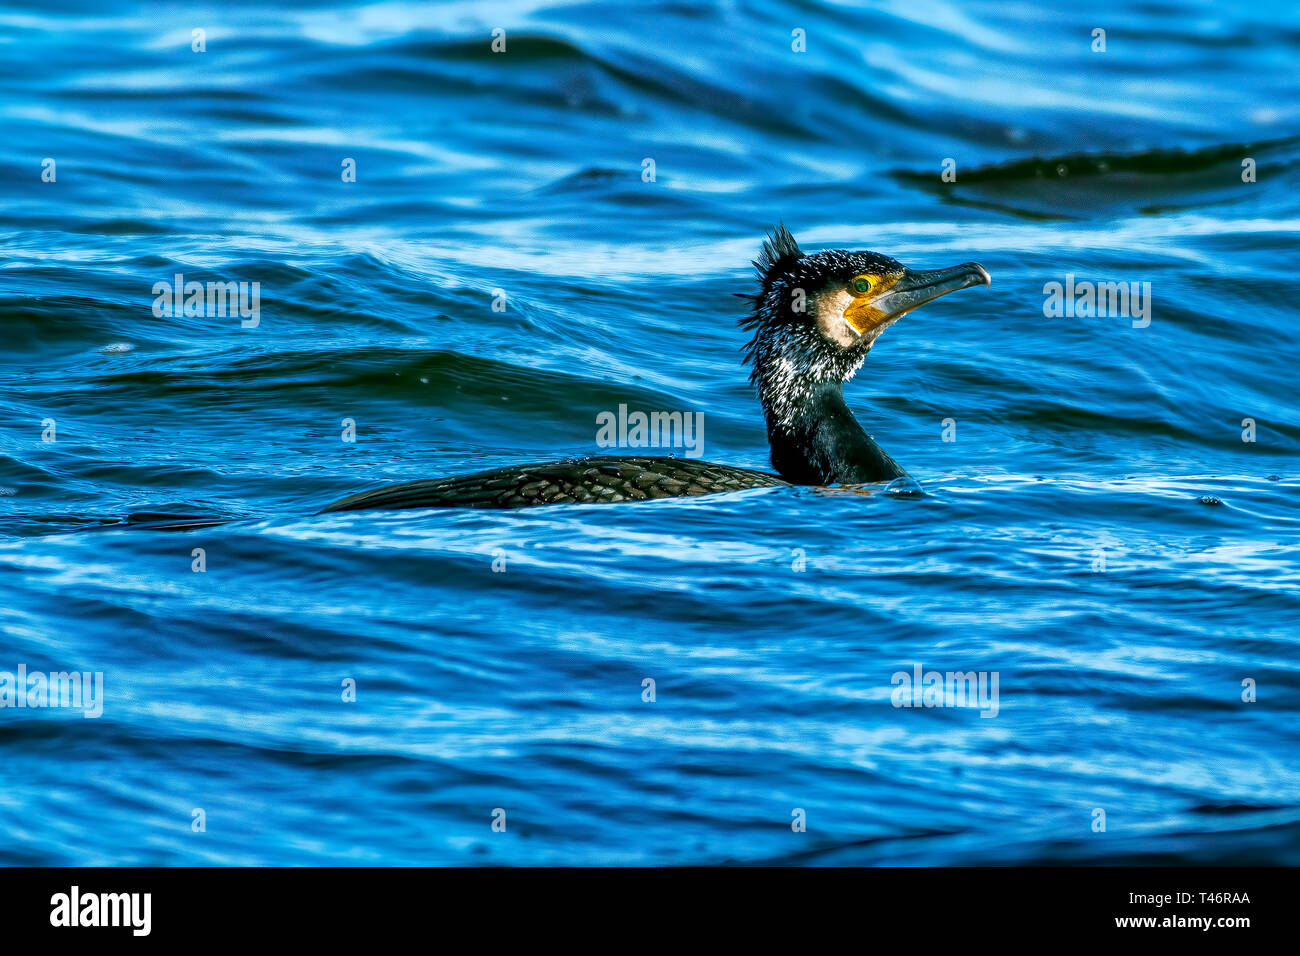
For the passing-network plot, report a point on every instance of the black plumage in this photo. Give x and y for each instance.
(576, 481)
(813, 319)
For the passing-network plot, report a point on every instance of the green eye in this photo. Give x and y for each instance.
(861, 285)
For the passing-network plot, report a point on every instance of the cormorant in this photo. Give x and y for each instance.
(814, 319)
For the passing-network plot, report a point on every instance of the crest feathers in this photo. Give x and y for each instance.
(778, 257)
(779, 252)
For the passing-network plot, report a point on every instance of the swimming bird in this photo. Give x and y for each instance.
(814, 318)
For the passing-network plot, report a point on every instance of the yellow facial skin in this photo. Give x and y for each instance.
(862, 315)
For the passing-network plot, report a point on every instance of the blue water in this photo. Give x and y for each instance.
(1098, 535)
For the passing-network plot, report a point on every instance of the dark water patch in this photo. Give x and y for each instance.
(1089, 185)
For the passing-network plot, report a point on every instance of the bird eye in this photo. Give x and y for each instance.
(861, 284)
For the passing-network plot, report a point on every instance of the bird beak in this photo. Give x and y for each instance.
(915, 289)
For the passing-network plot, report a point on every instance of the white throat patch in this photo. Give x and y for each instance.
(828, 308)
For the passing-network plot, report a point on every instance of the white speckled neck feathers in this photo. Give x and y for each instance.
(799, 362)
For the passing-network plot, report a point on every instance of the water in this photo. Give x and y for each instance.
(1080, 442)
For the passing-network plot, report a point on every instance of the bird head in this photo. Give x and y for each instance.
(816, 316)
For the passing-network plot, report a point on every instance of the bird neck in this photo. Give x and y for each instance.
(816, 440)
